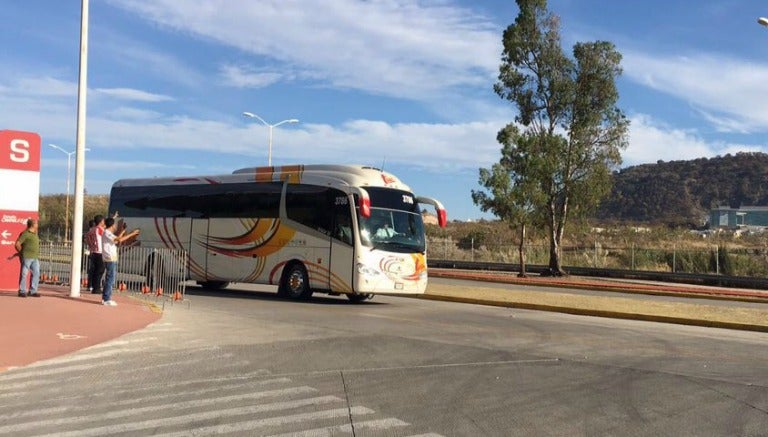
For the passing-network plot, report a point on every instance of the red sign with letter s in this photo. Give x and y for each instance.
(19, 150)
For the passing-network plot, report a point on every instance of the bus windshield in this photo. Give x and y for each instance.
(395, 223)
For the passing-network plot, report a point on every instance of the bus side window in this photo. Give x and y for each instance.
(308, 205)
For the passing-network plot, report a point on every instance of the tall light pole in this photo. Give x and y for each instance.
(82, 88)
(69, 173)
(271, 126)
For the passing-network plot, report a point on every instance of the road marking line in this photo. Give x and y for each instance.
(154, 325)
(429, 434)
(114, 393)
(82, 356)
(257, 374)
(35, 373)
(139, 373)
(379, 425)
(207, 415)
(137, 411)
(272, 421)
(119, 343)
(26, 413)
(74, 358)
(63, 336)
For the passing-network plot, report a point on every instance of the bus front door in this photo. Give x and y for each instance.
(342, 247)
(342, 263)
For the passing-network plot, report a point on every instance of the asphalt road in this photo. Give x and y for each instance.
(252, 364)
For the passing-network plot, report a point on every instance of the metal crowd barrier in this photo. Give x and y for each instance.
(158, 274)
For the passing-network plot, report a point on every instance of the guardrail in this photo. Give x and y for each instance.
(152, 273)
(682, 278)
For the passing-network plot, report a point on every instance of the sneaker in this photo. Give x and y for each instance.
(109, 303)
(22, 294)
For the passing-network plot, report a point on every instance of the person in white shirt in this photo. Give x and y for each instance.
(385, 231)
(110, 241)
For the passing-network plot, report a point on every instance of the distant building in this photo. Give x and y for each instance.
(727, 217)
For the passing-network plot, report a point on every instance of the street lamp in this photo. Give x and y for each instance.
(271, 126)
(69, 173)
(763, 21)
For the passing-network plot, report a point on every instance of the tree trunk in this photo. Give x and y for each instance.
(521, 251)
(557, 266)
(556, 222)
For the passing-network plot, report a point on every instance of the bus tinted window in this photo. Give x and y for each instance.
(312, 206)
(196, 201)
(388, 198)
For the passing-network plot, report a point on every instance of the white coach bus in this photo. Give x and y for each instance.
(328, 228)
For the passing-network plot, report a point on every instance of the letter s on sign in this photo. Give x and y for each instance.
(19, 150)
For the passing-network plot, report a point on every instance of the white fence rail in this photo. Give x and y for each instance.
(156, 273)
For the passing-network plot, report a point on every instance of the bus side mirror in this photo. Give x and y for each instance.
(442, 217)
(364, 201)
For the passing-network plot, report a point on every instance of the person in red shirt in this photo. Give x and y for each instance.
(94, 240)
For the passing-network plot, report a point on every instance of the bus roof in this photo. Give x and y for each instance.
(327, 175)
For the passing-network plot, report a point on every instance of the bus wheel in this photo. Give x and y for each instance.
(213, 285)
(295, 282)
(357, 298)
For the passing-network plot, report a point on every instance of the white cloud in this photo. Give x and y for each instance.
(651, 141)
(43, 86)
(436, 146)
(243, 77)
(391, 47)
(112, 165)
(726, 91)
(132, 94)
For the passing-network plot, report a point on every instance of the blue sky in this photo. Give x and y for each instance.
(404, 84)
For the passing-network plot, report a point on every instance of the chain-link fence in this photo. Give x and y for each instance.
(712, 259)
(156, 273)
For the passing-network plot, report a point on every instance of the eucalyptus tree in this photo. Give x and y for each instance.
(511, 193)
(567, 110)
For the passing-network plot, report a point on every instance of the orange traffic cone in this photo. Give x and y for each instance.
(159, 291)
(145, 289)
(122, 286)
(177, 296)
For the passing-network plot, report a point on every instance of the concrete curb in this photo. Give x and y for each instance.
(619, 307)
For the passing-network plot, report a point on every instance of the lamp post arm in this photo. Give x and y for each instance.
(290, 120)
(256, 116)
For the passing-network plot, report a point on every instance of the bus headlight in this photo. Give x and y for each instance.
(365, 270)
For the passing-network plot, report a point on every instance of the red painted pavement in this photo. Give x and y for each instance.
(34, 329)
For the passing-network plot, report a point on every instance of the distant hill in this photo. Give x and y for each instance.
(683, 192)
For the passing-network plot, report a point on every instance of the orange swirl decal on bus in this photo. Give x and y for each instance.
(420, 266)
(265, 237)
(400, 268)
(290, 173)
